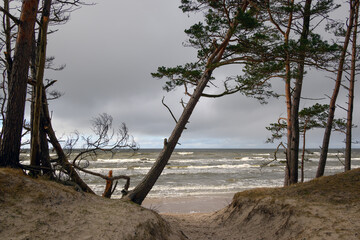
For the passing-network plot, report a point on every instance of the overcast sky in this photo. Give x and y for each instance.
(111, 48)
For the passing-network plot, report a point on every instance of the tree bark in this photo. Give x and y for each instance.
(13, 123)
(303, 150)
(138, 194)
(8, 62)
(7, 32)
(349, 124)
(295, 136)
(35, 153)
(288, 100)
(288, 124)
(44, 150)
(329, 123)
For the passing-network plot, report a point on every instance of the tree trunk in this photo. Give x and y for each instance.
(7, 32)
(303, 150)
(8, 63)
(35, 152)
(288, 99)
(13, 123)
(138, 194)
(62, 159)
(351, 95)
(288, 123)
(329, 124)
(295, 136)
(44, 150)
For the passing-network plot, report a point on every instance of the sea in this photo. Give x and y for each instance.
(204, 172)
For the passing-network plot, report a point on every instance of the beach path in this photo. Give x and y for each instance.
(194, 226)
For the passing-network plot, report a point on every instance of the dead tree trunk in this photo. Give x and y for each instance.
(329, 124)
(349, 124)
(62, 159)
(35, 152)
(44, 150)
(108, 188)
(13, 124)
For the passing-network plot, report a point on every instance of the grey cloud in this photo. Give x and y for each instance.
(111, 48)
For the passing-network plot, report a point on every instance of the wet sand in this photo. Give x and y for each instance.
(188, 204)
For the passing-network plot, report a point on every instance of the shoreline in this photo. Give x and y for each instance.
(188, 204)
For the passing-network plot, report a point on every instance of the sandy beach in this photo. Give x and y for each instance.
(326, 208)
(189, 204)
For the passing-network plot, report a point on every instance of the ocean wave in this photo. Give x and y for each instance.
(329, 154)
(225, 166)
(178, 170)
(262, 154)
(259, 158)
(336, 154)
(212, 188)
(166, 190)
(329, 159)
(185, 153)
(122, 160)
(216, 160)
(198, 190)
(251, 158)
(107, 169)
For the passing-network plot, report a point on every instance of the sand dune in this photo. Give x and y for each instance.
(326, 208)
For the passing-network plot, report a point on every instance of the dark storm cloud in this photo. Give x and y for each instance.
(111, 48)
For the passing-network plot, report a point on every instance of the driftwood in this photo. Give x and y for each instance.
(109, 190)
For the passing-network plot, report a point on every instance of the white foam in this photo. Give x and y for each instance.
(122, 160)
(223, 166)
(99, 170)
(329, 154)
(185, 153)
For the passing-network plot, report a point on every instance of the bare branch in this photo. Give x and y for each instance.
(12, 17)
(169, 109)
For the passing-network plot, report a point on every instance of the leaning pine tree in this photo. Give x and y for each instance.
(230, 34)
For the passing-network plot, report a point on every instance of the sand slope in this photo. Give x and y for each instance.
(326, 208)
(40, 209)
